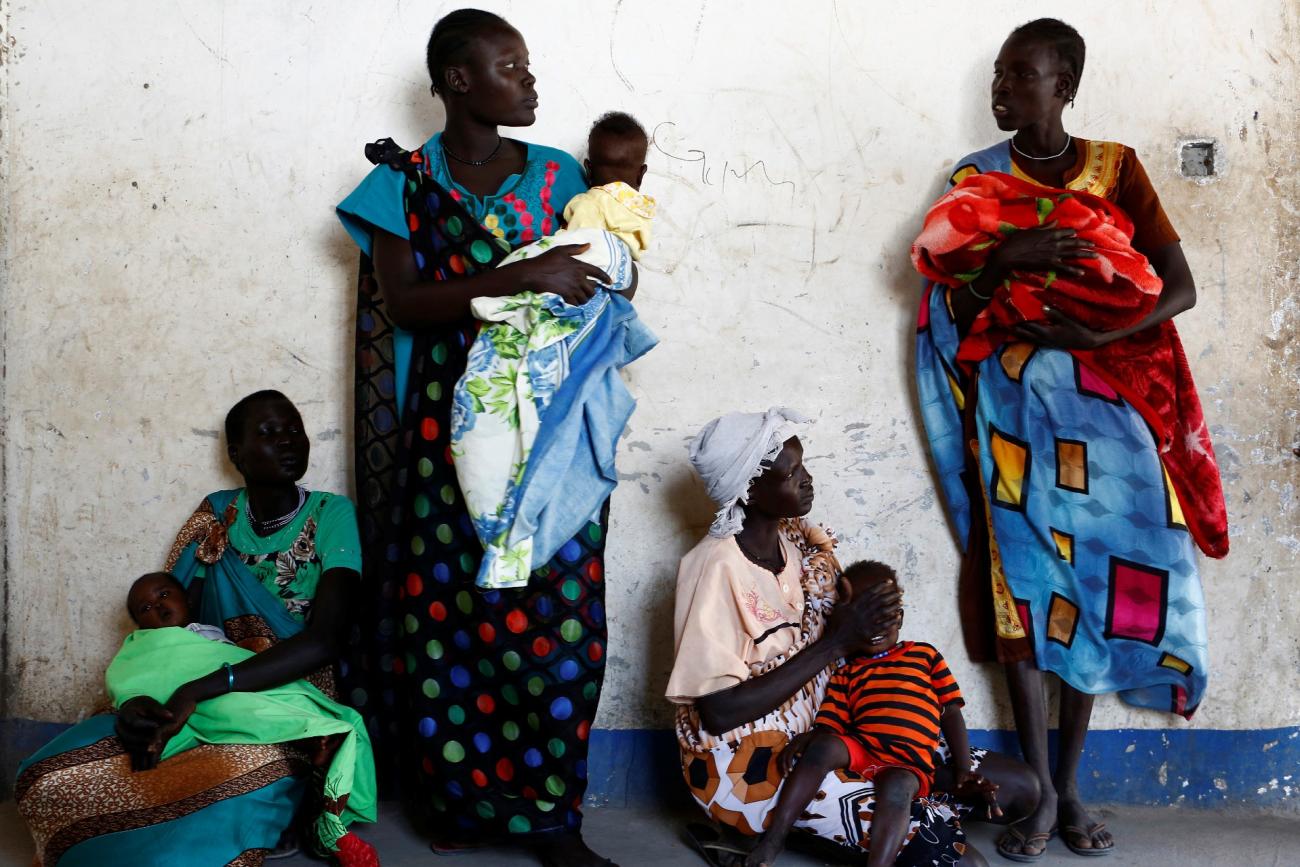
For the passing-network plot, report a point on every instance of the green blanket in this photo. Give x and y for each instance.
(155, 662)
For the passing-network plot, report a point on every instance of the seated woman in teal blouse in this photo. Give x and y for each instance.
(490, 696)
(275, 566)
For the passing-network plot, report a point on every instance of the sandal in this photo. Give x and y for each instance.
(1089, 834)
(1035, 839)
(451, 849)
(716, 851)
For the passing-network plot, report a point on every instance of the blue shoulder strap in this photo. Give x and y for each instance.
(995, 158)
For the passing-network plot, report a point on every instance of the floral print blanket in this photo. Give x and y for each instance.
(522, 355)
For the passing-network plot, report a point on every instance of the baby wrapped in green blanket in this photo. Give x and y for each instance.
(170, 650)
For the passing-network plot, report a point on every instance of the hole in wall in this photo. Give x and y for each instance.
(1197, 159)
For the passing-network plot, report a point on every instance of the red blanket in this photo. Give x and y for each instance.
(1118, 289)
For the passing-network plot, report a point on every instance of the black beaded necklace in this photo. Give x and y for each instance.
(772, 564)
(487, 159)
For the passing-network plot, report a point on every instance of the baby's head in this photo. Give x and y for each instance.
(616, 149)
(156, 600)
(864, 575)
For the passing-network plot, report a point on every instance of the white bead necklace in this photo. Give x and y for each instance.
(1068, 140)
(266, 528)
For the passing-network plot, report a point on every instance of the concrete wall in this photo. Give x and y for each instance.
(171, 172)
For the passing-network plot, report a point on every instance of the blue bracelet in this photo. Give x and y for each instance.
(230, 677)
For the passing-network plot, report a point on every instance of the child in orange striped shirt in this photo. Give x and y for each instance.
(881, 717)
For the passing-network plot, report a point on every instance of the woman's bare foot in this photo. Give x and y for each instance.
(765, 853)
(1034, 829)
(567, 849)
(324, 749)
(1077, 828)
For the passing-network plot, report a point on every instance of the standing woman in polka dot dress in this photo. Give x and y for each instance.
(482, 701)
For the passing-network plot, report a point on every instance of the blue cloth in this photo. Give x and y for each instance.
(573, 454)
(377, 203)
(1085, 524)
(528, 348)
(937, 376)
(994, 158)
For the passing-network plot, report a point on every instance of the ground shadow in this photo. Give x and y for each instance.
(691, 512)
(905, 289)
(339, 254)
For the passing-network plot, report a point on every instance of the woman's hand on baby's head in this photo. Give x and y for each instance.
(856, 620)
(878, 589)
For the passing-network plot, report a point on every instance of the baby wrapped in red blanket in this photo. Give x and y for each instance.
(1117, 289)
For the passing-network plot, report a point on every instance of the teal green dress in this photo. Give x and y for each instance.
(84, 805)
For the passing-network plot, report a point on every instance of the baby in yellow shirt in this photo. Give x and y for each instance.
(615, 164)
(613, 208)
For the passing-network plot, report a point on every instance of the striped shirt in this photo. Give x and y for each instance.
(892, 704)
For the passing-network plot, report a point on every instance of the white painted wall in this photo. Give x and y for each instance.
(172, 172)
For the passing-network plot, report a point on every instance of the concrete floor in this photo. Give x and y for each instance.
(1145, 836)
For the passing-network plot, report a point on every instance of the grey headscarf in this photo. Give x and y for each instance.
(731, 451)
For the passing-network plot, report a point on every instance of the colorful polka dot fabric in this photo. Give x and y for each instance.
(480, 704)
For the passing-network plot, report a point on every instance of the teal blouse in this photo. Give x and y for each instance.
(290, 561)
(528, 206)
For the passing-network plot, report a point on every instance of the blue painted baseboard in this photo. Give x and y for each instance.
(1209, 768)
(19, 738)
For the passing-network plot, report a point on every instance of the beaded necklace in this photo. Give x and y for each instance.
(266, 528)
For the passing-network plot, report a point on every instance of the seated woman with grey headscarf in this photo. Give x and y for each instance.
(758, 633)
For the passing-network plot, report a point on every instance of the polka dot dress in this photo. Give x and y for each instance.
(488, 696)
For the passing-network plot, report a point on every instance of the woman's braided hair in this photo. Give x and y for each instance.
(1063, 39)
(451, 38)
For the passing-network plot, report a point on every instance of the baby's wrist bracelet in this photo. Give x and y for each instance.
(230, 677)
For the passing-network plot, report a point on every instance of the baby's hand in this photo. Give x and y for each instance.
(792, 753)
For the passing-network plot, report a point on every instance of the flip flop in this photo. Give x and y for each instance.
(1025, 840)
(451, 850)
(716, 851)
(1089, 833)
